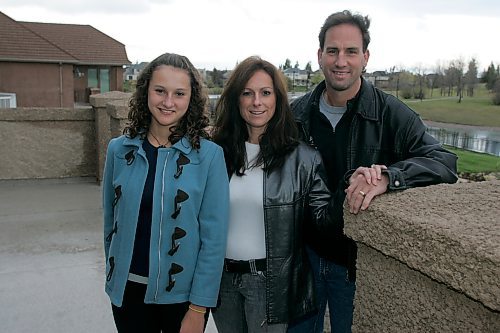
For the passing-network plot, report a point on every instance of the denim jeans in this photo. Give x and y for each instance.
(243, 305)
(332, 287)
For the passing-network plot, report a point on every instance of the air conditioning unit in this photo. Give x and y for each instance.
(8, 101)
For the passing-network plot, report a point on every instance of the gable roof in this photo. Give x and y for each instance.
(295, 71)
(51, 42)
(19, 43)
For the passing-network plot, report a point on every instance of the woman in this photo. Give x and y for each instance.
(276, 185)
(165, 194)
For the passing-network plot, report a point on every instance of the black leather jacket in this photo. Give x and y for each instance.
(385, 131)
(294, 195)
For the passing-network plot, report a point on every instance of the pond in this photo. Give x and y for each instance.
(482, 141)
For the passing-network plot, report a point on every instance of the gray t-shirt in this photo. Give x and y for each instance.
(333, 113)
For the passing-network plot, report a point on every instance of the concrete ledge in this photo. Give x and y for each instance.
(393, 298)
(449, 232)
(48, 143)
(429, 260)
(46, 114)
(100, 100)
(118, 109)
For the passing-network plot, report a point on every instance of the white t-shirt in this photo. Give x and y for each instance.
(246, 233)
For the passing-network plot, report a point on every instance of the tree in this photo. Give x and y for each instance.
(471, 77)
(431, 81)
(308, 67)
(309, 72)
(420, 79)
(459, 65)
(394, 79)
(317, 78)
(296, 65)
(287, 64)
(490, 76)
(440, 81)
(216, 77)
(453, 76)
(406, 83)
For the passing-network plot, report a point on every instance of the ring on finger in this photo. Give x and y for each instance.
(362, 193)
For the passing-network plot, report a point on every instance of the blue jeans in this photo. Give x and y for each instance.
(243, 305)
(332, 287)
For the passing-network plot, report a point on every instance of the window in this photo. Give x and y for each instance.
(92, 78)
(104, 80)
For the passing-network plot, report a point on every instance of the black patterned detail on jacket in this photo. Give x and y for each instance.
(178, 234)
(181, 161)
(174, 269)
(130, 157)
(180, 197)
(118, 194)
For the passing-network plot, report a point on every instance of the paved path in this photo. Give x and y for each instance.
(51, 258)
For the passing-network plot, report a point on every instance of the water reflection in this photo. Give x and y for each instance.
(474, 140)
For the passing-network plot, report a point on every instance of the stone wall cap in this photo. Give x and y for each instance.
(100, 100)
(450, 232)
(118, 109)
(45, 114)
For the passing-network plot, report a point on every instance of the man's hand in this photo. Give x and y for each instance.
(364, 184)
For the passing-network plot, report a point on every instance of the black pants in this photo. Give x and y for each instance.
(134, 316)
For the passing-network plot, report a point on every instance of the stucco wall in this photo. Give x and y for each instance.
(60, 142)
(47, 143)
(111, 110)
(429, 260)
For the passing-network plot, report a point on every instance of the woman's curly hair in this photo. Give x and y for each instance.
(195, 121)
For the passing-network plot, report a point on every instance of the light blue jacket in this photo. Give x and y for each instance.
(204, 217)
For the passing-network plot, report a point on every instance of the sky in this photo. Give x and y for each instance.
(219, 33)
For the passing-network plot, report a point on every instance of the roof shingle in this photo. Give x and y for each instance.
(51, 42)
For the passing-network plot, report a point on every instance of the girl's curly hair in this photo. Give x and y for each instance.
(195, 121)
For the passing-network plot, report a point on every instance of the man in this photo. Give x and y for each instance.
(356, 126)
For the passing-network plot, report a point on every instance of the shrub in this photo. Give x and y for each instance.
(406, 93)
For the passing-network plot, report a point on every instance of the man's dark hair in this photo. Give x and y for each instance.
(346, 17)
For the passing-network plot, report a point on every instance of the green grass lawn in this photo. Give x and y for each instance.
(475, 162)
(477, 111)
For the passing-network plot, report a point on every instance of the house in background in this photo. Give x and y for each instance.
(299, 77)
(132, 71)
(57, 65)
(379, 79)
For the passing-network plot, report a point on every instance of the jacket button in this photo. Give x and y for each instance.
(396, 183)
